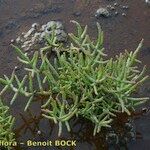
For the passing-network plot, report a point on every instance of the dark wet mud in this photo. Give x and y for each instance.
(121, 32)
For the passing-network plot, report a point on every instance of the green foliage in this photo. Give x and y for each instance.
(80, 81)
(6, 124)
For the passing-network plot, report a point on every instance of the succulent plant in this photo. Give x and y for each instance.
(6, 124)
(79, 81)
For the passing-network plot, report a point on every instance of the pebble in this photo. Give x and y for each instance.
(35, 25)
(43, 27)
(123, 14)
(39, 132)
(112, 8)
(18, 39)
(109, 6)
(125, 7)
(16, 68)
(59, 25)
(102, 12)
(116, 13)
(31, 31)
(12, 41)
(61, 35)
(115, 4)
(112, 138)
(131, 136)
(145, 110)
(128, 126)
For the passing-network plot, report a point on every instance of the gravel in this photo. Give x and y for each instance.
(34, 38)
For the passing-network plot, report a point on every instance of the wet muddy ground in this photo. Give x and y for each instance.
(121, 32)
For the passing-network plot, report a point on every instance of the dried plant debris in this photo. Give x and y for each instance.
(35, 37)
(6, 124)
(80, 81)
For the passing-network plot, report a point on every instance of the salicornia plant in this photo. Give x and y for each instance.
(79, 81)
(6, 124)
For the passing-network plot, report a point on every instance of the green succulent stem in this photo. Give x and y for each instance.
(79, 81)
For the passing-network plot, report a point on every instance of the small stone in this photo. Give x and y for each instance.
(131, 136)
(27, 49)
(59, 25)
(27, 42)
(61, 36)
(115, 4)
(43, 35)
(112, 138)
(31, 31)
(123, 14)
(23, 46)
(125, 7)
(50, 25)
(39, 132)
(30, 45)
(43, 27)
(35, 25)
(145, 110)
(112, 8)
(128, 126)
(58, 32)
(16, 68)
(116, 13)
(48, 31)
(102, 12)
(36, 35)
(108, 6)
(18, 39)
(22, 33)
(12, 41)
